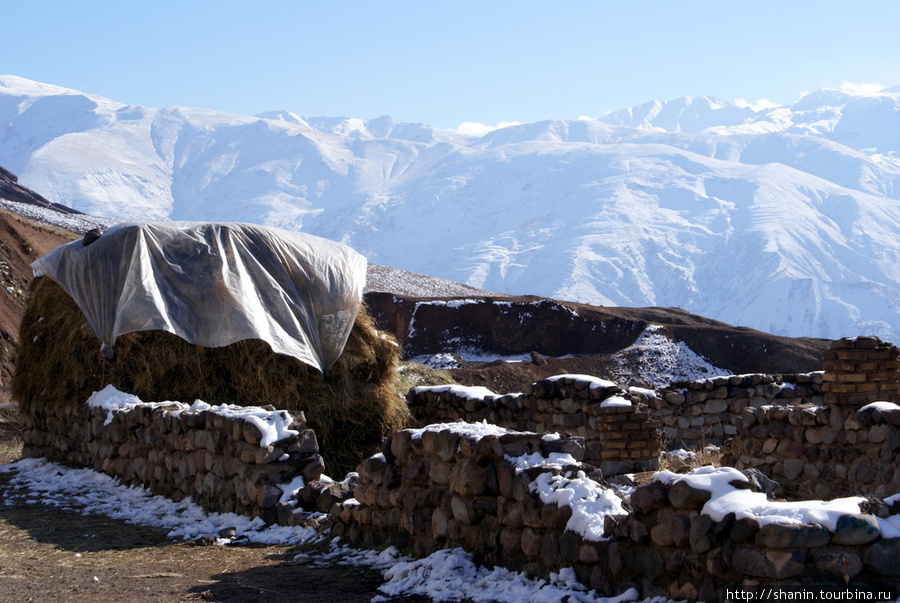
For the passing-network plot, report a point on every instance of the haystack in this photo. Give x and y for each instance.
(351, 410)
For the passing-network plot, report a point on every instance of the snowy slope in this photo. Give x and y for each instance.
(785, 219)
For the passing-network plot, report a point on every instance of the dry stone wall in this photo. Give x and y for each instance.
(217, 458)
(848, 443)
(821, 451)
(619, 432)
(710, 411)
(499, 495)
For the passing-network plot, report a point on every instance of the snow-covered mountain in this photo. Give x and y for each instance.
(785, 219)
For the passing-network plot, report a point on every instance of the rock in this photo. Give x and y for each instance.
(636, 530)
(269, 496)
(400, 445)
(645, 561)
(573, 446)
(767, 563)
(590, 552)
(616, 467)
(715, 406)
(680, 530)
(569, 545)
(875, 506)
(314, 468)
(865, 470)
(661, 534)
(555, 518)
(790, 536)
(467, 479)
(683, 589)
(792, 468)
(760, 482)
(684, 496)
(250, 432)
(699, 535)
(852, 530)
(882, 557)
(652, 496)
(306, 443)
(336, 492)
(842, 563)
(550, 550)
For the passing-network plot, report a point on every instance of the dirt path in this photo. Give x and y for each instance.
(50, 555)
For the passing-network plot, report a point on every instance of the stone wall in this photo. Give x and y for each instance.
(842, 442)
(506, 498)
(217, 457)
(709, 411)
(620, 434)
(822, 451)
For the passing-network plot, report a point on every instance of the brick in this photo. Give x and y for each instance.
(854, 354)
(852, 378)
(881, 376)
(845, 343)
(865, 388)
(857, 399)
(840, 388)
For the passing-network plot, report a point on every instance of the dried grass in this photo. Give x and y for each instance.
(706, 456)
(10, 434)
(351, 411)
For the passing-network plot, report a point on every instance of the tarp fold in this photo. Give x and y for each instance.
(214, 284)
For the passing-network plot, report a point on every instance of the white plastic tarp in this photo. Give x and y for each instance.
(213, 284)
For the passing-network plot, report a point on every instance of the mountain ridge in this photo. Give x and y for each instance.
(784, 219)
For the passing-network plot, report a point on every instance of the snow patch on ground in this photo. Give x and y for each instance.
(656, 358)
(451, 575)
(78, 223)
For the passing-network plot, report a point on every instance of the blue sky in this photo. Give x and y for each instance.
(443, 63)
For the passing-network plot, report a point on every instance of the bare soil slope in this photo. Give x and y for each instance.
(21, 242)
(572, 338)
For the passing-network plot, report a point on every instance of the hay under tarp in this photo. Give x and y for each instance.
(351, 411)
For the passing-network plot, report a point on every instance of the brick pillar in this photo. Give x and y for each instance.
(859, 370)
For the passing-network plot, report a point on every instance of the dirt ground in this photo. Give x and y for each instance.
(52, 555)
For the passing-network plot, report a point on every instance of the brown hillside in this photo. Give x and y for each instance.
(573, 338)
(21, 242)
